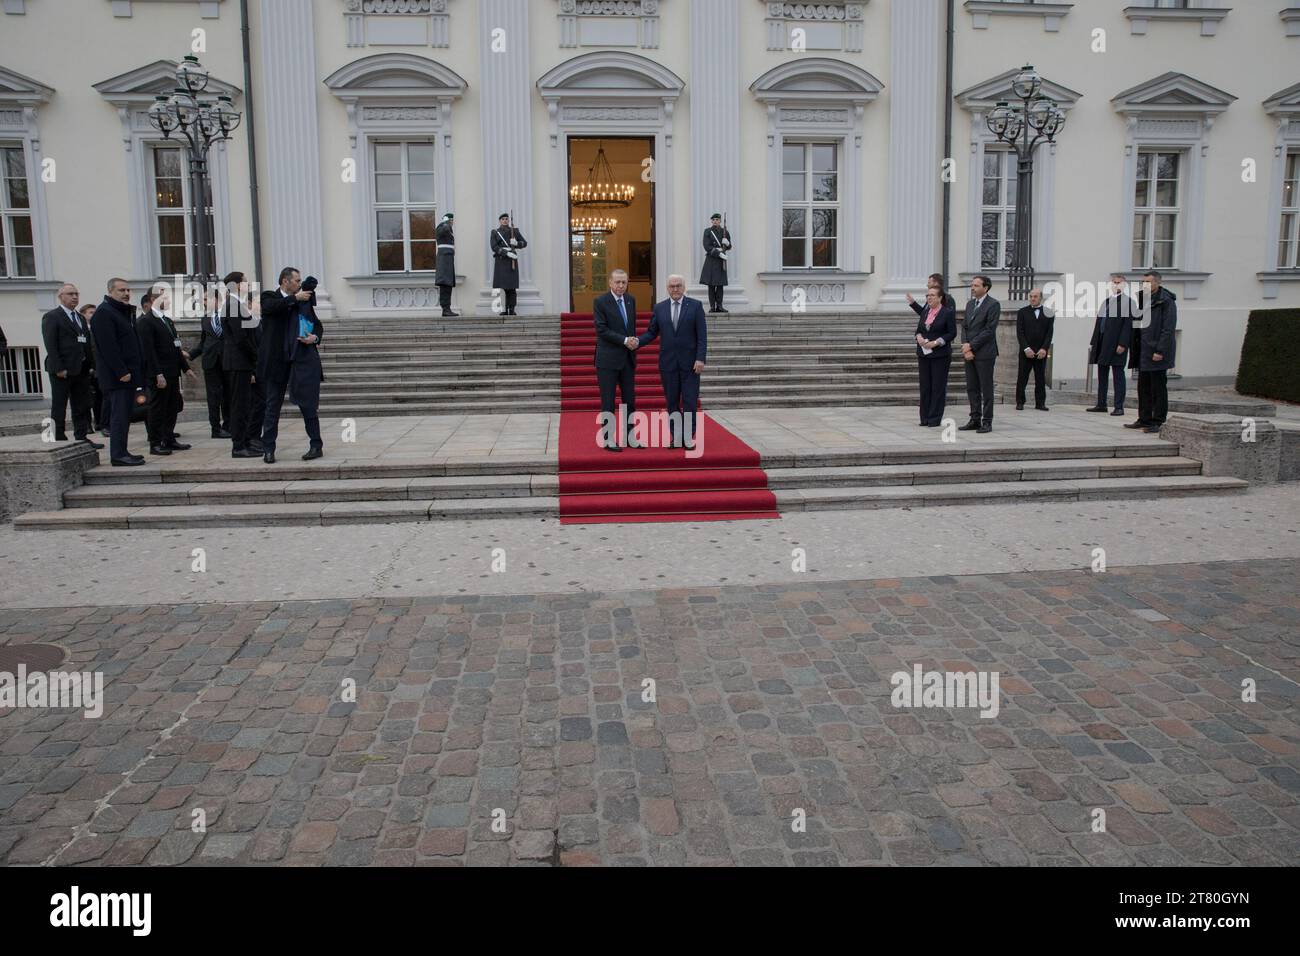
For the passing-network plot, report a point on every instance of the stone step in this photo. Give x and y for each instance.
(318, 513)
(717, 392)
(492, 367)
(429, 466)
(417, 388)
(518, 406)
(215, 493)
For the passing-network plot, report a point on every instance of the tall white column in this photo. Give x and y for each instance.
(505, 103)
(292, 138)
(916, 56)
(716, 87)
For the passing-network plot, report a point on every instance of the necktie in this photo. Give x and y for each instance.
(216, 324)
(622, 310)
(677, 311)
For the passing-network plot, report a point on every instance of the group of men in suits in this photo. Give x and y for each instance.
(679, 321)
(1136, 334)
(138, 360)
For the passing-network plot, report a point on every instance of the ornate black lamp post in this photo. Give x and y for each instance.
(200, 121)
(1036, 119)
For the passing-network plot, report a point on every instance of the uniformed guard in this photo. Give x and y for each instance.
(506, 243)
(717, 246)
(446, 277)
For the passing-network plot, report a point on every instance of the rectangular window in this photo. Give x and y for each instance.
(998, 209)
(172, 210)
(1156, 210)
(17, 246)
(404, 208)
(1288, 247)
(810, 212)
(20, 371)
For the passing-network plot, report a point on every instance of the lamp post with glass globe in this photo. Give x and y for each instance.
(1023, 126)
(199, 121)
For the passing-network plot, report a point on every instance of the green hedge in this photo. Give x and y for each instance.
(1270, 356)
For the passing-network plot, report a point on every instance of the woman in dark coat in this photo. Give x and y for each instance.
(935, 331)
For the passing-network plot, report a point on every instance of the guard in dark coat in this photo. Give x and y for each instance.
(446, 274)
(1112, 339)
(717, 247)
(506, 243)
(1159, 309)
(288, 360)
(164, 362)
(70, 360)
(120, 366)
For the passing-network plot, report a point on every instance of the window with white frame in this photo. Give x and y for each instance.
(998, 209)
(404, 206)
(20, 371)
(171, 212)
(17, 247)
(1156, 209)
(810, 213)
(1288, 247)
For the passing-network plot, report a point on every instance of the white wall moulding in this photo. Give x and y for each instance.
(1172, 111)
(1291, 19)
(208, 9)
(982, 12)
(825, 99)
(815, 26)
(978, 100)
(21, 98)
(1284, 107)
(133, 93)
(395, 296)
(814, 290)
(588, 96)
(293, 186)
(609, 23)
(425, 23)
(1139, 17)
(395, 96)
(506, 120)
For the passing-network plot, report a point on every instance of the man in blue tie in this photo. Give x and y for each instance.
(684, 350)
(616, 343)
(209, 354)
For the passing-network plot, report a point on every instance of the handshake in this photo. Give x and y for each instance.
(632, 343)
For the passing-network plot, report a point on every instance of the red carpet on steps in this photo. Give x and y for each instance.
(725, 483)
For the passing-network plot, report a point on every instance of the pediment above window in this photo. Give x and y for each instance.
(1173, 93)
(396, 76)
(816, 80)
(984, 96)
(18, 91)
(1284, 102)
(611, 74)
(141, 85)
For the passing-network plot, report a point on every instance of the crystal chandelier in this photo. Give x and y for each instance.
(593, 226)
(600, 191)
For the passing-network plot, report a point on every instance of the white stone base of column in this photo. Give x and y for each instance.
(733, 295)
(324, 307)
(894, 295)
(529, 302)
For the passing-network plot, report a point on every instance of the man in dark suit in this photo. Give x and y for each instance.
(682, 356)
(210, 352)
(1034, 326)
(979, 335)
(1112, 336)
(239, 359)
(120, 366)
(70, 360)
(1159, 310)
(287, 359)
(616, 344)
(164, 362)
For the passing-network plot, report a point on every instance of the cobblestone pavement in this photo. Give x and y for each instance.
(1119, 691)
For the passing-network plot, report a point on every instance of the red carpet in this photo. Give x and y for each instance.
(725, 483)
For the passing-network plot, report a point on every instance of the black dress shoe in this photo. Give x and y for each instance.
(969, 427)
(269, 457)
(984, 430)
(1138, 424)
(1153, 429)
(175, 445)
(448, 314)
(314, 452)
(1097, 408)
(256, 446)
(221, 433)
(1117, 413)
(1041, 408)
(1020, 406)
(106, 433)
(159, 450)
(723, 311)
(245, 453)
(93, 444)
(130, 461)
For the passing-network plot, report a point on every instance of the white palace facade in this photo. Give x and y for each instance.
(823, 132)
